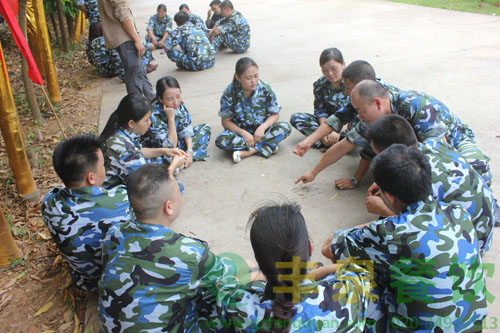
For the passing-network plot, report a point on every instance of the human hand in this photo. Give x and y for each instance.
(140, 48)
(330, 139)
(173, 152)
(178, 161)
(306, 177)
(375, 205)
(249, 139)
(170, 112)
(344, 184)
(258, 134)
(161, 44)
(189, 160)
(374, 189)
(326, 249)
(301, 148)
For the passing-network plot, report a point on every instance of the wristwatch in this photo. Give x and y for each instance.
(354, 181)
(189, 151)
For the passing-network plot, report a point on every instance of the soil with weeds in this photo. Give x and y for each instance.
(36, 292)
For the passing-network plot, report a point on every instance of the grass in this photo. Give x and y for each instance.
(472, 6)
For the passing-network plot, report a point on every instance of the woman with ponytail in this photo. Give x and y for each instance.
(121, 148)
(324, 300)
(250, 115)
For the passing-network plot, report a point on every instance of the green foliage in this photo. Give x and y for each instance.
(69, 7)
(472, 6)
(5, 35)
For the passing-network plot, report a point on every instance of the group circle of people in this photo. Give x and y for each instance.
(416, 268)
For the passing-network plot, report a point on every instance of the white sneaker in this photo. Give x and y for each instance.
(236, 156)
(276, 150)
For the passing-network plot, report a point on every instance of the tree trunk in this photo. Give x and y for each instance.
(28, 85)
(71, 25)
(53, 20)
(64, 34)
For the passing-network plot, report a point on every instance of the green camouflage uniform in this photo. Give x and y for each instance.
(154, 278)
(234, 33)
(197, 52)
(78, 220)
(249, 114)
(427, 259)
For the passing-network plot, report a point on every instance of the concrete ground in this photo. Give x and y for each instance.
(451, 55)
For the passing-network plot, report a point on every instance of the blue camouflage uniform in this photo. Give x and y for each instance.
(198, 22)
(158, 27)
(337, 303)
(157, 135)
(92, 10)
(122, 155)
(235, 33)
(78, 220)
(107, 61)
(154, 279)
(431, 118)
(249, 114)
(327, 101)
(428, 261)
(455, 182)
(196, 51)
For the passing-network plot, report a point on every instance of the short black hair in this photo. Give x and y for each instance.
(75, 157)
(404, 172)
(162, 7)
(369, 89)
(391, 129)
(148, 187)
(181, 17)
(215, 2)
(182, 6)
(331, 53)
(358, 71)
(226, 4)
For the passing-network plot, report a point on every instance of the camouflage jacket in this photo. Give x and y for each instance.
(157, 26)
(107, 61)
(157, 135)
(338, 303)
(78, 220)
(198, 22)
(152, 279)
(248, 113)
(237, 26)
(92, 11)
(455, 182)
(327, 99)
(193, 42)
(427, 259)
(122, 155)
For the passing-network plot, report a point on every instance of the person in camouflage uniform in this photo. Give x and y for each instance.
(193, 18)
(213, 14)
(231, 31)
(454, 181)
(79, 214)
(329, 96)
(250, 112)
(426, 257)
(153, 275)
(196, 51)
(335, 302)
(345, 119)
(428, 116)
(170, 112)
(122, 149)
(89, 8)
(159, 26)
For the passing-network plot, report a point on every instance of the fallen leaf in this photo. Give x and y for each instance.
(43, 235)
(43, 309)
(67, 284)
(49, 331)
(4, 301)
(67, 315)
(11, 283)
(77, 323)
(333, 196)
(65, 326)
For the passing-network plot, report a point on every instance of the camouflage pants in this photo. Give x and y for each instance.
(201, 138)
(276, 133)
(228, 40)
(147, 57)
(306, 124)
(475, 157)
(184, 62)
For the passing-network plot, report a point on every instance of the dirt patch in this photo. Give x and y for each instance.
(36, 294)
